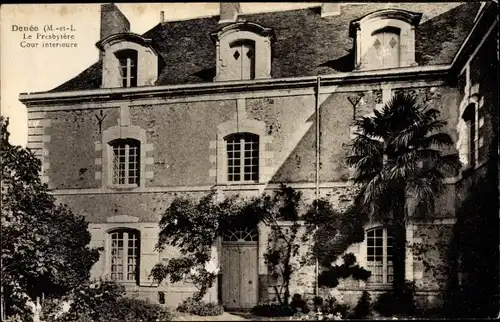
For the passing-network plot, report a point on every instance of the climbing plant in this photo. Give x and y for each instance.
(193, 227)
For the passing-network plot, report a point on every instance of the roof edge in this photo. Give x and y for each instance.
(396, 74)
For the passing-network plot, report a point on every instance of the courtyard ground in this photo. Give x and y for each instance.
(226, 316)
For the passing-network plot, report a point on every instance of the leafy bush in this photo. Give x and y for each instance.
(131, 309)
(273, 310)
(102, 302)
(318, 303)
(363, 307)
(299, 304)
(395, 303)
(200, 308)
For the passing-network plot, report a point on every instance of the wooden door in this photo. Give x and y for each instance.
(239, 273)
(385, 49)
(243, 63)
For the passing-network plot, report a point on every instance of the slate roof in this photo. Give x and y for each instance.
(306, 44)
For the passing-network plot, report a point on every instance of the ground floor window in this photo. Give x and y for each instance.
(379, 255)
(124, 246)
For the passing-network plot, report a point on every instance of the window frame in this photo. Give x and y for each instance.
(255, 155)
(127, 233)
(130, 56)
(128, 143)
(387, 270)
(471, 135)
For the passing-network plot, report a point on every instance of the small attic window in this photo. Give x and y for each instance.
(128, 67)
(121, 55)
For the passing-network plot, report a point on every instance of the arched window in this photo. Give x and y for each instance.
(379, 255)
(243, 54)
(125, 168)
(128, 67)
(468, 149)
(242, 157)
(244, 234)
(386, 48)
(124, 254)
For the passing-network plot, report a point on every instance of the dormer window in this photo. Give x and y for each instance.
(385, 39)
(129, 60)
(243, 51)
(128, 67)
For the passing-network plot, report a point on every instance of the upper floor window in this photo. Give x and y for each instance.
(242, 157)
(243, 53)
(121, 54)
(385, 39)
(128, 67)
(379, 243)
(124, 250)
(125, 162)
(468, 149)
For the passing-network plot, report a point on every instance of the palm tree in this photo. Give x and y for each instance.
(396, 154)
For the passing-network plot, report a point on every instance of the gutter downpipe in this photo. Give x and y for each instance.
(318, 85)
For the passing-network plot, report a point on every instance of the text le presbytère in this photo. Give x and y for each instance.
(46, 36)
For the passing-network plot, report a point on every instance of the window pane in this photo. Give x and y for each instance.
(120, 149)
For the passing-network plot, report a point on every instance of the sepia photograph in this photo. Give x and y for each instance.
(249, 161)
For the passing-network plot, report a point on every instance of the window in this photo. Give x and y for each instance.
(379, 255)
(243, 54)
(385, 43)
(125, 160)
(124, 255)
(242, 157)
(128, 67)
(469, 141)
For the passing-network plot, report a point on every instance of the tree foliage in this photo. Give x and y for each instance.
(397, 155)
(333, 231)
(44, 245)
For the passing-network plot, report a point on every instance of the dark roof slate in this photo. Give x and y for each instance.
(306, 44)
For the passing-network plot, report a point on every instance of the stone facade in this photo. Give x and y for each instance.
(181, 131)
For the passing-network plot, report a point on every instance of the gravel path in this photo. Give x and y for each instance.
(224, 317)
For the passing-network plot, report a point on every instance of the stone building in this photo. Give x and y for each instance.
(245, 102)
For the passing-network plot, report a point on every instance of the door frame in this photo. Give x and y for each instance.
(259, 264)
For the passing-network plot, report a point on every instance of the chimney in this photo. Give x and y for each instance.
(330, 9)
(162, 17)
(112, 20)
(229, 11)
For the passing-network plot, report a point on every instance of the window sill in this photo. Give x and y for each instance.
(379, 286)
(123, 186)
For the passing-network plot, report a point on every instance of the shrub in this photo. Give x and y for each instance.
(341, 309)
(391, 303)
(299, 304)
(318, 303)
(273, 310)
(131, 309)
(200, 308)
(363, 307)
(102, 302)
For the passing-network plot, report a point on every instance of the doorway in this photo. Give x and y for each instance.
(240, 268)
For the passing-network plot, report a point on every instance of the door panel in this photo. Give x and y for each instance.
(230, 277)
(239, 276)
(249, 276)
